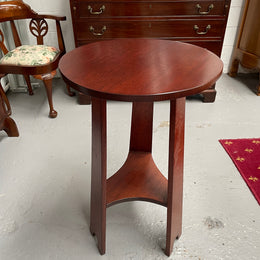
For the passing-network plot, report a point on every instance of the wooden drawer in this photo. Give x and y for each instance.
(192, 21)
(212, 45)
(107, 29)
(87, 9)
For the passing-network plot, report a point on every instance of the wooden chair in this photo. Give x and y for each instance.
(6, 122)
(40, 61)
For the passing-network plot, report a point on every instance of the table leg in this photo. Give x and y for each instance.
(140, 144)
(98, 173)
(142, 127)
(175, 174)
(139, 178)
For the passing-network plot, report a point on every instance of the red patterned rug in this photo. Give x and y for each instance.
(245, 153)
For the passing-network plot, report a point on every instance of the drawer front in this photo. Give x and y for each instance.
(214, 46)
(87, 9)
(105, 29)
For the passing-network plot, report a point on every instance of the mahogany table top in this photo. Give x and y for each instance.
(140, 69)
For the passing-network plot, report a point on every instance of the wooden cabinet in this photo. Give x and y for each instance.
(202, 23)
(247, 49)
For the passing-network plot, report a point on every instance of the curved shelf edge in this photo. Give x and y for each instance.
(138, 179)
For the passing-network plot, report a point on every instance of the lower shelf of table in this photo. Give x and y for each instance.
(138, 179)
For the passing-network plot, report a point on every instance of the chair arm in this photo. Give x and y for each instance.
(54, 17)
(60, 37)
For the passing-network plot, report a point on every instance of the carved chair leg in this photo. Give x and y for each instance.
(47, 80)
(48, 87)
(6, 123)
(29, 85)
(70, 93)
(9, 126)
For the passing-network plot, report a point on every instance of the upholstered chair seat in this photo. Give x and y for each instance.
(40, 61)
(30, 55)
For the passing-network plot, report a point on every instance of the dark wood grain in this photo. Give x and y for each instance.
(6, 122)
(136, 28)
(143, 8)
(142, 122)
(99, 173)
(175, 173)
(140, 69)
(138, 179)
(212, 45)
(168, 19)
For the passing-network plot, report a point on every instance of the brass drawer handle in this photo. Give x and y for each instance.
(91, 29)
(102, 9)
(196, 28)
(210, 7)
(75, 10)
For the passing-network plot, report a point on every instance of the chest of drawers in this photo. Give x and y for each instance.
(202, 23)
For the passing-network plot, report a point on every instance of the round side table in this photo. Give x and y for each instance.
(140, 71)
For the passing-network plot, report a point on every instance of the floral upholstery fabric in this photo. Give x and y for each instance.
(30, 55)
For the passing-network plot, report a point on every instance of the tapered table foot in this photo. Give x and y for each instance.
(98, 173)
(175, 173)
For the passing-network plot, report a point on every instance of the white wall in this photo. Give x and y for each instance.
(62, 7)
(231, 31)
